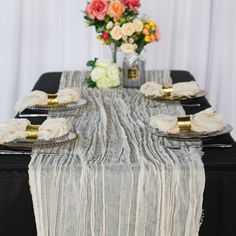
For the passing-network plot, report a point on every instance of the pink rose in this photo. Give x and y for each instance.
(97, 9)
(132, 4)
(158, 35)
(105, 36)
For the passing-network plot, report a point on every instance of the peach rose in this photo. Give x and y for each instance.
(128, 29)
(97, 9)
(124, 37)
(115, 10)
(116, 33)
(128, 47)
(138, 25)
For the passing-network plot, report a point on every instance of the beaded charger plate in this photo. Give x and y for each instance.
(188, 134)
(28, 144)
(169, 97)
(59, 106)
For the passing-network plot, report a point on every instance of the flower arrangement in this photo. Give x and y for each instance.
(117, 22)
(104, 74)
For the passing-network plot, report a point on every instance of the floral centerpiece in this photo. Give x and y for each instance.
(118, 24)
(104, 74)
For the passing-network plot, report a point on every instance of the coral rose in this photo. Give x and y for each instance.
(97, 9)
(115, 10)
(132, 4)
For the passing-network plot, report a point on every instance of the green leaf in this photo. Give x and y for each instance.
(91, 84)
(91, 63)
(87, 18)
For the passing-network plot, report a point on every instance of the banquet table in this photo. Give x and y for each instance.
(16, 210)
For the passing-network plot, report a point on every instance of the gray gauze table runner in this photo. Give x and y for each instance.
(118, 178)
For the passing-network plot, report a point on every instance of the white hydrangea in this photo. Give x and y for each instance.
(104, 63)
(106, 74)
(97, 73)
(107, 82)
(113, 72)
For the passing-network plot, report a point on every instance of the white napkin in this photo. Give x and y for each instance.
(207, 121)
(151, 89)
(53, 128)
(204, 121)
(32, 99)
(16, 128)
(187, 89)
(13, 129)
(165, 123)
(179, 89)
(67, 95)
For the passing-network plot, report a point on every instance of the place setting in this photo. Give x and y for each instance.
(204, 125)
(20, 134)
(185, 92)
(40, 104)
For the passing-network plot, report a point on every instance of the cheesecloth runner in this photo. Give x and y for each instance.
(118, 178)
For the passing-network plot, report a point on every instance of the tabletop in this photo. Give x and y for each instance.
(220, 167)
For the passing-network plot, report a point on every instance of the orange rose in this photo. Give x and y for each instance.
(115, 10)
(145, 31)
(153, 37)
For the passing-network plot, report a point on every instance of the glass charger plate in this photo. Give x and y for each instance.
(201, 93)
(27, 144)
(193, 135)
(59, 107)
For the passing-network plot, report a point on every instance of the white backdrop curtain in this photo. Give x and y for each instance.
(38, 36)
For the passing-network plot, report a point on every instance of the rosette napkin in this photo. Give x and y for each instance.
(186, 89)
(63, 96)
(19, 129)
(53, 128)
(204, 121)
(13, 129)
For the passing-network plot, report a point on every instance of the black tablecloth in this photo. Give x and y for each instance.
(16, 211)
